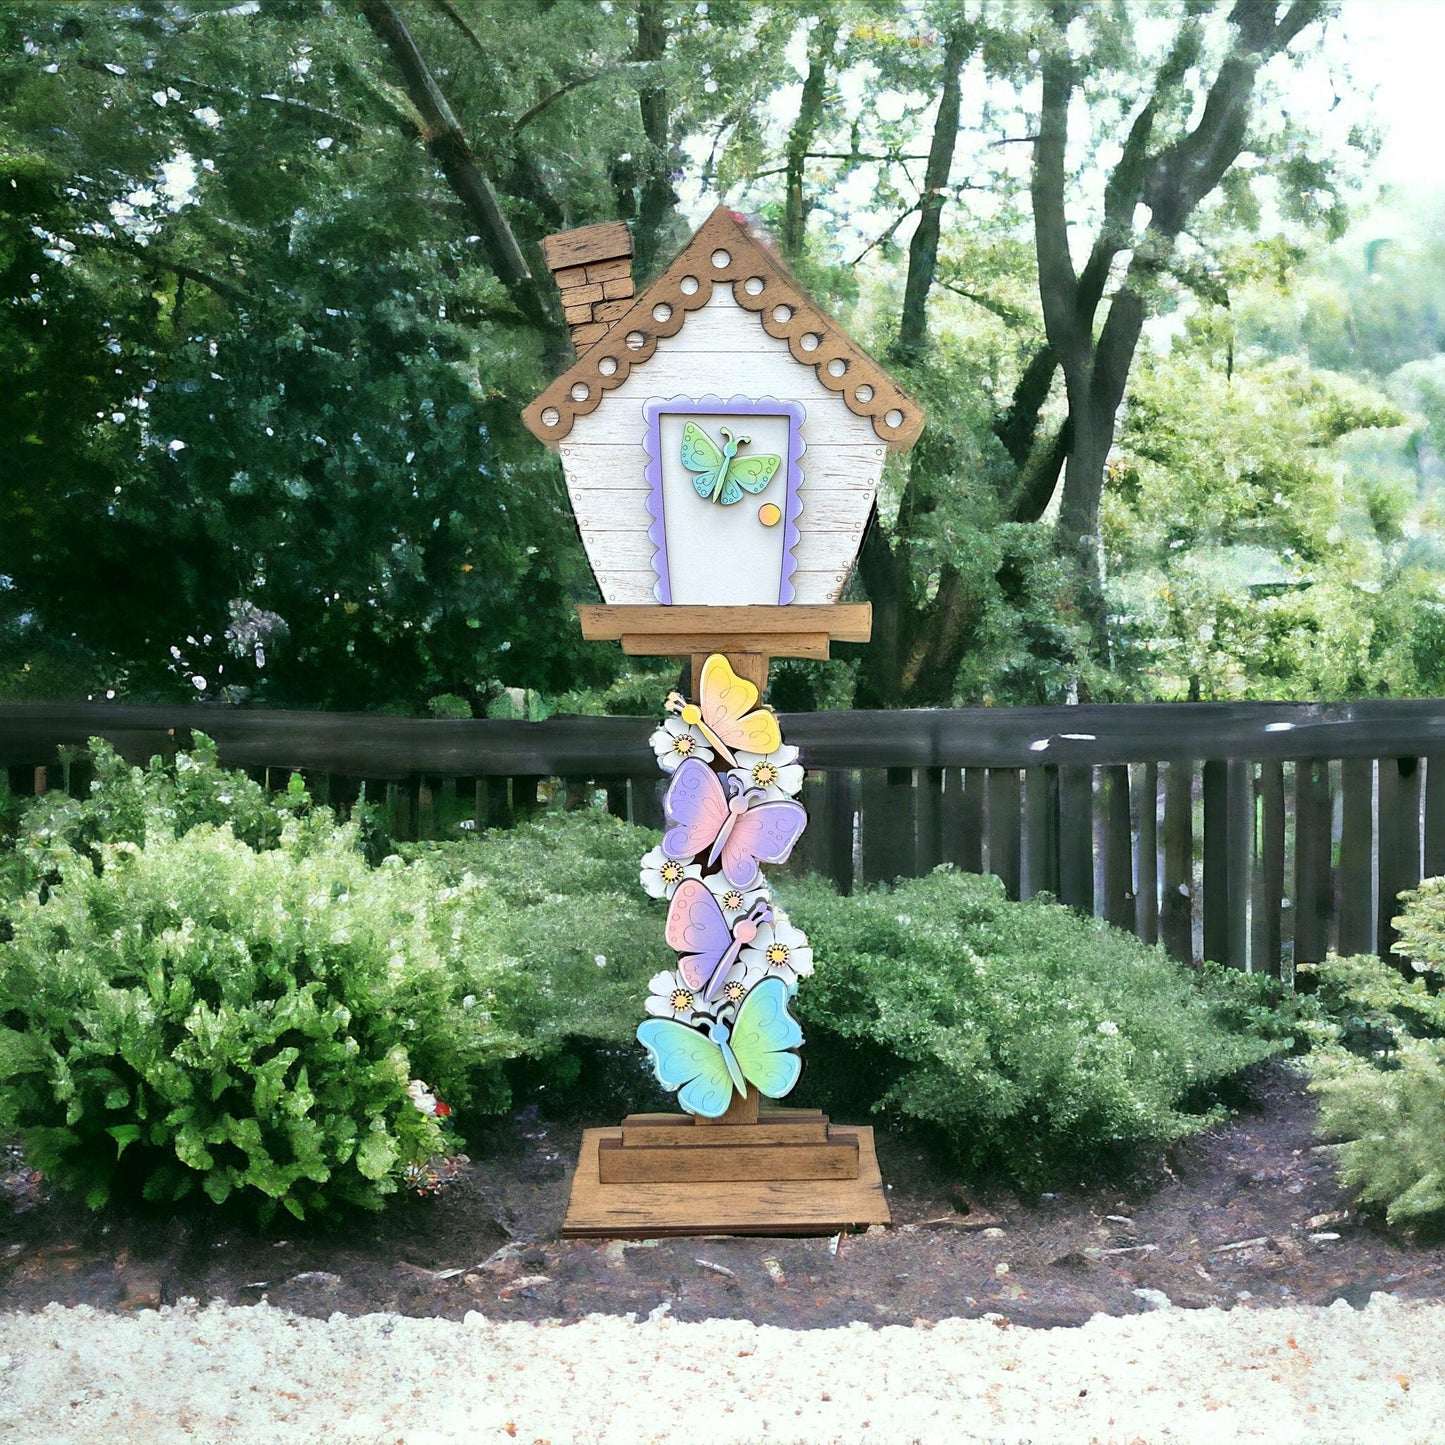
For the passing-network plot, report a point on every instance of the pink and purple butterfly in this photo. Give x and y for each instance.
(697, 929)
(741, 830)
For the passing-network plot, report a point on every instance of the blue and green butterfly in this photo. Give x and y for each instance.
(705, 1068)
(723, 476)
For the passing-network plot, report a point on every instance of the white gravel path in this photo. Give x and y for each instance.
(258, 1374)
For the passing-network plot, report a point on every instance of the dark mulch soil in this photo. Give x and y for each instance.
(1250, 1212)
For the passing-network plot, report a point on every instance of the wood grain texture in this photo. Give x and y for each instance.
(622, 1163)
(643, 1211)
(587, 245)
(775, 1126)
(724, 259)
(722, 353)
(368, 745)
(846, 622)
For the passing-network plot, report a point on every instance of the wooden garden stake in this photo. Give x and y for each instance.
(722, 441)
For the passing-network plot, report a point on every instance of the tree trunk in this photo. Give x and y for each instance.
(800, 138)
(658, 201)
(449, 148)
(923, 248)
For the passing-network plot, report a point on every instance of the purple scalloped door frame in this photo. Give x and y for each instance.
(716, 406)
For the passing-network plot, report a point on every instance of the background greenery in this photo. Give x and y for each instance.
(267, 338)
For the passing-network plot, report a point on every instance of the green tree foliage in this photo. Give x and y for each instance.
(286, 260)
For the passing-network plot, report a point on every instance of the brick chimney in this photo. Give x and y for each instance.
(593, 270)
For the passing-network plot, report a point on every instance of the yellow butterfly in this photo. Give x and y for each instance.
(725, 713)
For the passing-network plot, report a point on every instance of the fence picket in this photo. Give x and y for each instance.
(970, 786)
(1266, 945)
(1076, 838)
(1041, 831)
(1146, 906)
(1118, 847)
(888, 836)
(1399, 843)
(1003, 827)
(929, 805)
(1176, 911)
(1356, 904)
(1313, 895)
(1434, 861)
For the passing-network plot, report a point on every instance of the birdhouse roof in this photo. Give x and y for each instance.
(724, 252)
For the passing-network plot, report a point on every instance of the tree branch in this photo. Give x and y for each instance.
(805, 127)
(923, 248)
(449, 148)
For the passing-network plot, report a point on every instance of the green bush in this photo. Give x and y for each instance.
(127, 804)
(560, 917)
(1379, 1067)
(180, 1009)
(1034, 1039)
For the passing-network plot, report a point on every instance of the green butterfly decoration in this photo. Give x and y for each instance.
(721, 475)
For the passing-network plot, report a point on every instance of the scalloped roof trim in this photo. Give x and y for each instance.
(725, 253)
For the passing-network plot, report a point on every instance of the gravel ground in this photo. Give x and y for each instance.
(259, 1374)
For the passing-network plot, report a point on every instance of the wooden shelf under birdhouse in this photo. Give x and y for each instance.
(798, 630)
(789, 1172)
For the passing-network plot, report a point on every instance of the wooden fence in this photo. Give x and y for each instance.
(1258, 834)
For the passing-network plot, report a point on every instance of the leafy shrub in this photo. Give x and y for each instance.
(182, 1009)
(1034, 1039)
(127, 804)
(558, 914)
(1379, 1067)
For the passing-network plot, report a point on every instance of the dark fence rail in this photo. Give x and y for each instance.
(1258, 834)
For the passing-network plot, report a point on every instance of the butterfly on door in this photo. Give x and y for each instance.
(719, 473)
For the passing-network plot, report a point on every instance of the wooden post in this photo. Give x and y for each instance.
(752, 1170)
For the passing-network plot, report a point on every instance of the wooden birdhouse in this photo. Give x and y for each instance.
(722, 438)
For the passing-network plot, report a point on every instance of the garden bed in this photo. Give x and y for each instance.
(1249, 1213)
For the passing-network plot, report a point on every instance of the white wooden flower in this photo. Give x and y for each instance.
(734, 901)
(670, 997)
(742, 976)
(777, 774)
(661, 875)
(675, 741)
(780, 949)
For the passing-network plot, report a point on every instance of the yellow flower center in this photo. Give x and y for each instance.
(733, 992)
(683, 744)
(681, 999)
(777, 953)
(732, 900)
(672, 871)
(765, 774)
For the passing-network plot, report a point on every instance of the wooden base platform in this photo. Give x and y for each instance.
(791, 1172)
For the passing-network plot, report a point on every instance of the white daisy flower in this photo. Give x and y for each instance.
(741, 978)
(779, 949)
(671, 997)
(676, 741)
(735, 902)
(777, 774)
(661, 875)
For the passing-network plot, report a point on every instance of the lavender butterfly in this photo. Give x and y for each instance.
(741, 830)
(697, 929)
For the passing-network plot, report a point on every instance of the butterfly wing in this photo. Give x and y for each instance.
(727, 703)
(766, 833)
(697, 928)
(701, 454)
(762, 1035)
(696, 806)
(689, 1061)
(752, 474)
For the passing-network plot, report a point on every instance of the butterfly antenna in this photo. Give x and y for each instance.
(675, 702)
